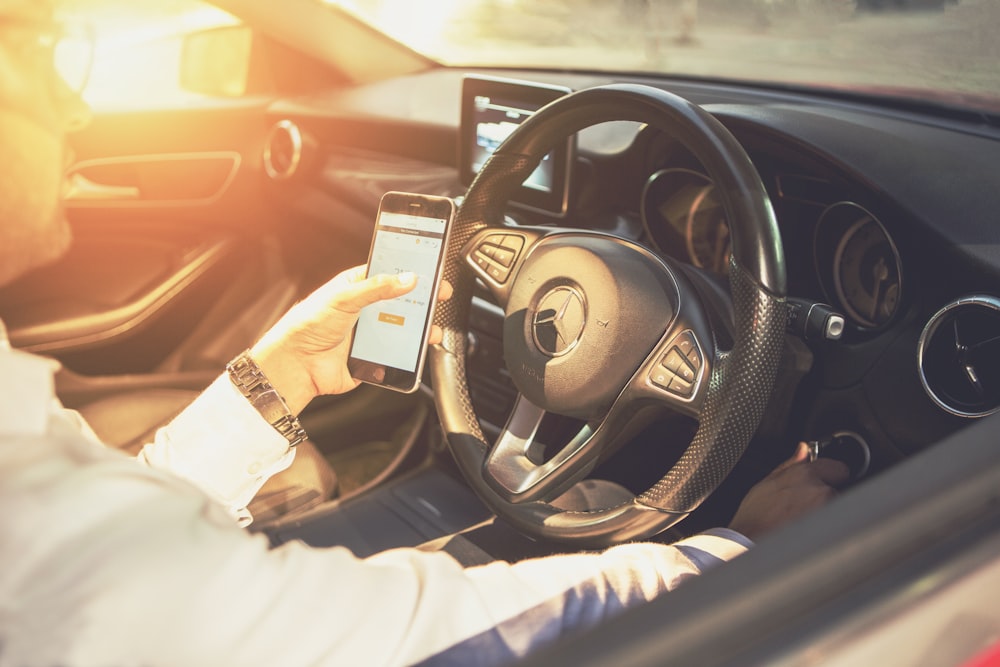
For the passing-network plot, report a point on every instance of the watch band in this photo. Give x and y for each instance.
(246, 376)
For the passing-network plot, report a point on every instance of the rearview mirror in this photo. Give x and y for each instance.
(217, 61)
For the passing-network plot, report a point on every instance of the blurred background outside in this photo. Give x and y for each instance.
(921, 47)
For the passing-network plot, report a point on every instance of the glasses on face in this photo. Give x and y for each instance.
(63, 52)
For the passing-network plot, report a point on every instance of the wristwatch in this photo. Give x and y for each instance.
(247, 376)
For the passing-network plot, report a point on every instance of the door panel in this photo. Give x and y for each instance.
(124, 282)
(170, 235)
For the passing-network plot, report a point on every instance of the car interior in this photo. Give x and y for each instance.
(822, 264)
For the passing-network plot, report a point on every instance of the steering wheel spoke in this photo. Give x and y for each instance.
(516, 466)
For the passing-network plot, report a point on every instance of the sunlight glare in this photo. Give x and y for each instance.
(420, 24)
(136, 54)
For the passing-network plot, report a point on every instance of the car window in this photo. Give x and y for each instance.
(944, 50)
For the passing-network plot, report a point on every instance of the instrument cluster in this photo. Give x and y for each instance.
(857, 264)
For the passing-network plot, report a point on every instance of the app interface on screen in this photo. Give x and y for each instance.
(390, 332)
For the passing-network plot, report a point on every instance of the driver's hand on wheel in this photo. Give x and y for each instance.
(304, 354)
(794, 488)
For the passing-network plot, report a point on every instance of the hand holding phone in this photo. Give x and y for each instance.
(390, 339)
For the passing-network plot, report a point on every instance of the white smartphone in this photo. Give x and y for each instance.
(390, 339)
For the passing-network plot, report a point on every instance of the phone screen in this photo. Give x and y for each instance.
(390, 338)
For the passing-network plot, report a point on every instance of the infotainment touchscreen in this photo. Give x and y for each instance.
(491, 109)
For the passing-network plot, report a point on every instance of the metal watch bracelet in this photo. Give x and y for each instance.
(247, 376)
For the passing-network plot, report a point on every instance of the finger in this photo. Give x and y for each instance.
(356, 274)
(801, 454)
(830, 471)
(445, 291)
(341, 281)
(345, 278)
(436, 335)
(355, 296)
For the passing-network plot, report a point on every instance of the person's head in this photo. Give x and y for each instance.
(37, 108)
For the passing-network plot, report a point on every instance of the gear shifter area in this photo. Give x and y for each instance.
(847, 447)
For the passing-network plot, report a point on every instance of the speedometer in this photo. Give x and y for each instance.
(865, 269)
(683, 215)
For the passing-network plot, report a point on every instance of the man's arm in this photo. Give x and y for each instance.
(221, 443)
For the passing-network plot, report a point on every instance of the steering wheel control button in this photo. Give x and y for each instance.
(677, 370)
(686, 345)
(683, 357)
(495, 255)
(679, 365)
(661, 377)
(681, 387)
(504, 256)
(513, 243)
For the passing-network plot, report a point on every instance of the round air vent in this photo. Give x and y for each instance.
(959, 357)
(283, 150)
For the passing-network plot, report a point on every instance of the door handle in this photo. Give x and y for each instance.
(82, 188)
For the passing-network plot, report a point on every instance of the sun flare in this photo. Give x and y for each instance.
(420, 24)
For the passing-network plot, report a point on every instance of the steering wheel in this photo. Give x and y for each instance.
(600, 329)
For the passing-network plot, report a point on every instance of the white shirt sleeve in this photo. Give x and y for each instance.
(222, 445)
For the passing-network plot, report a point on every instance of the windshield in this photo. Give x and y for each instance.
(945, 51)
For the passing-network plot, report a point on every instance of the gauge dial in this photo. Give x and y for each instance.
(683, 215)
(866, 269)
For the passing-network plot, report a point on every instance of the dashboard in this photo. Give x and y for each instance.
(887, 216)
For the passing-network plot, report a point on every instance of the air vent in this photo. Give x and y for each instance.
(283, 150)
(959, 357)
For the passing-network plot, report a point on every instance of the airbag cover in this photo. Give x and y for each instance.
(584, 312)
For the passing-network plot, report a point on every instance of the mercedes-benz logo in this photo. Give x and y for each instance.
(559, 321)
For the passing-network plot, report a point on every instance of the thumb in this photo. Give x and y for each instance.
(357, 294)
(801, 454)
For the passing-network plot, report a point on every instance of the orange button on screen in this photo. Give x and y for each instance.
(389, 318)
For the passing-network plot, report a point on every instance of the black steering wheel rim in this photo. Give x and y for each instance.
(740, 382)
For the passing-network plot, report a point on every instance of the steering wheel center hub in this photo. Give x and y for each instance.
(584, 312)
(559, 320)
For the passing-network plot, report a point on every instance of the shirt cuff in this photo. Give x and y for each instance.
(222, 445)
(714, 546)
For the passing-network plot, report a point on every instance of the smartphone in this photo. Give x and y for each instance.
(390, 338)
